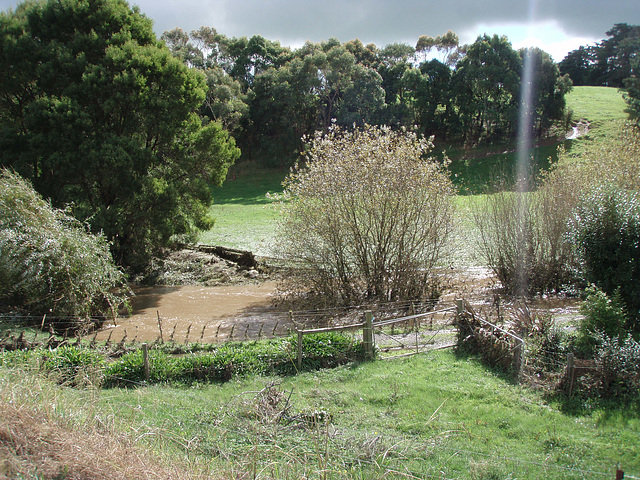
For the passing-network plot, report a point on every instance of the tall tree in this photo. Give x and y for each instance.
(99, 115)
(447, 46)
(609, 62)
(579, 65)
(427, 93)
(487, 85)
(548, 89)
(632, 94)
(284, 108)
(205, 49)
(615, 54)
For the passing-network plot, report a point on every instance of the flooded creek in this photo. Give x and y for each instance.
(242, 312)
(199, 313)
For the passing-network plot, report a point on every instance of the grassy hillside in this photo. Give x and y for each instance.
(245, 220)
(598, 105)
(435, 415)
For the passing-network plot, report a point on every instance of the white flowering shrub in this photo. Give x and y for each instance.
(49, 263)
(366, 216)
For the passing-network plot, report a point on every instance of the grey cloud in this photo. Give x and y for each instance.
(379, 21)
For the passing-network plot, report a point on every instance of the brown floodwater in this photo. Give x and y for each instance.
(198, 313)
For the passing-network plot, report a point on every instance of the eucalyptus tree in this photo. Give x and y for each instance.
(427, 93)
(363, 101)
(486, 85)
(99, 115)
(447, 45)
(549, 89)
(205, 49)
(393, 61)
(284, 108)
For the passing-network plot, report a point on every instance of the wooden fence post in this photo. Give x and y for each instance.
(300, 335)
(160, 326)
(619, 474)
(367, 334)
(518, 357)
(145, 358)
(570, 372)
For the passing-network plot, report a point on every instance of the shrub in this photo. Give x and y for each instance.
(366, 216)
(603, 316)
(619, 358)
(74, 366)
(522, 238)
(529, 239)
(48, 261)
(606, 232)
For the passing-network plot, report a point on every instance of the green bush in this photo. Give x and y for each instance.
(603, 316)
(619, 358)
(49, 264)
(278, 356)
(74, 365)
(606, 232)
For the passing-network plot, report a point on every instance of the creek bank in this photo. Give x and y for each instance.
(205, 265)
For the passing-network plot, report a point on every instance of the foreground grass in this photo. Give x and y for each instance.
(434, 415)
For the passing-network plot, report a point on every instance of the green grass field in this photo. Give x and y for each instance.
(435, 415)
(598, 105)
(245, 218)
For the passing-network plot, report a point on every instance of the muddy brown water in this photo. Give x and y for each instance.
(243, 312)
(199, 313)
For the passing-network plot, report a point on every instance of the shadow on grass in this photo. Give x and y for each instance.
(479, 174)
(505, 375)
(611, 410)
(250, 188)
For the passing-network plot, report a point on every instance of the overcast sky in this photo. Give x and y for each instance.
(556, 26)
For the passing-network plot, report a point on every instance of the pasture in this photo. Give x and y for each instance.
(439, 414)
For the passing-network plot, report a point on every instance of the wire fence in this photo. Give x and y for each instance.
(202, 328)
(419, 327)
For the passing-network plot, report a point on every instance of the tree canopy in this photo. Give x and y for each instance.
(457, 92)
(99, 115)
(607, 63)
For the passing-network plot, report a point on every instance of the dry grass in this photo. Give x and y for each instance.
(48, 432)
(32, 445)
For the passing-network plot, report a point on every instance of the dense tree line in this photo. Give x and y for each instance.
(607, 63)
(270, 96)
